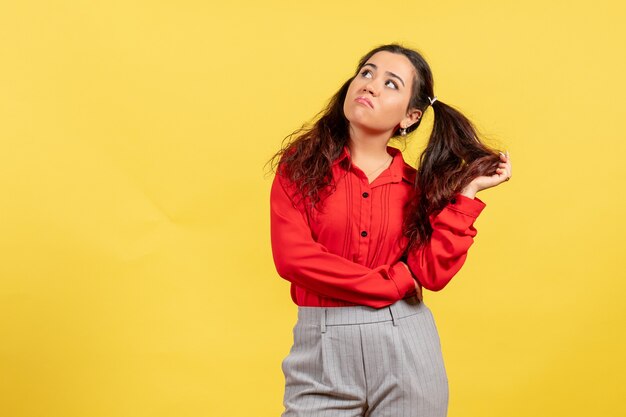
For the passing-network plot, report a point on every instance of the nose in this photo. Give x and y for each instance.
(370, 87)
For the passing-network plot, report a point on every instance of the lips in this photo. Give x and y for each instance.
(364, 100)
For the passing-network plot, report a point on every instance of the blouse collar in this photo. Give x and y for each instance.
(397, 170)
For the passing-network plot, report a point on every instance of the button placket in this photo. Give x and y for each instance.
(365, 220)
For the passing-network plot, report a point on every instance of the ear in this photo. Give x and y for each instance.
(411, 118)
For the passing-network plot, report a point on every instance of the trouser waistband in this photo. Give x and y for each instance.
(335, 316)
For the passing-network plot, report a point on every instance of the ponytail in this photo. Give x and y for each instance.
(453, 157)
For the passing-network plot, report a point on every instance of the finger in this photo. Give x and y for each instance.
(418, 286)
(503, 173)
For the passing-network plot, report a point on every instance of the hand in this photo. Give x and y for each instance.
(503, 173)
(418, 286)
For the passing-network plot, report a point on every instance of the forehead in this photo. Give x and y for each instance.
(396, 63)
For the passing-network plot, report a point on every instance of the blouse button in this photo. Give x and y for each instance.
(365, 195)
(363, 233)
(453, 201)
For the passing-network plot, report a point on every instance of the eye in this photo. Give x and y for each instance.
(393, 84)
(366, 72)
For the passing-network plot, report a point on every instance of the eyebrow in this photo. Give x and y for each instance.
(387, 72)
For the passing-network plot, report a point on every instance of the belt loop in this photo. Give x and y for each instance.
(393, 319)
(324, 320)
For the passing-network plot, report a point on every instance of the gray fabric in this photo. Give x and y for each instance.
(361, 361)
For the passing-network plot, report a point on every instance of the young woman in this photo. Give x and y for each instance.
(358, 232)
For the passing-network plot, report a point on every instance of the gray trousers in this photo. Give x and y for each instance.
(361, 361)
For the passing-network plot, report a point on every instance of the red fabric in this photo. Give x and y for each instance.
(348, 252)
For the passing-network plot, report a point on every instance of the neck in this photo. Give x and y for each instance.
(369, 145)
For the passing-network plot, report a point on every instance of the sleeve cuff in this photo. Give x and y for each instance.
(403, 279)
(463, 204)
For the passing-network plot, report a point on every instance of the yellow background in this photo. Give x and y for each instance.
(136, 276)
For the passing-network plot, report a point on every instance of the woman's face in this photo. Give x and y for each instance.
(378, 97)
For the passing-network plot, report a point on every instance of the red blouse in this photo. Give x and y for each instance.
(347, 252)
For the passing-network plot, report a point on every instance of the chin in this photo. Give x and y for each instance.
(358, 118)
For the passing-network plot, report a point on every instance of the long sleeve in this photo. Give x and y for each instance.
(436, 263)
(303, 261)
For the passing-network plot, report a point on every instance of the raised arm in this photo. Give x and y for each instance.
(436, 263)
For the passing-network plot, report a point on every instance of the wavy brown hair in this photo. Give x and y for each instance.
(454, 156)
